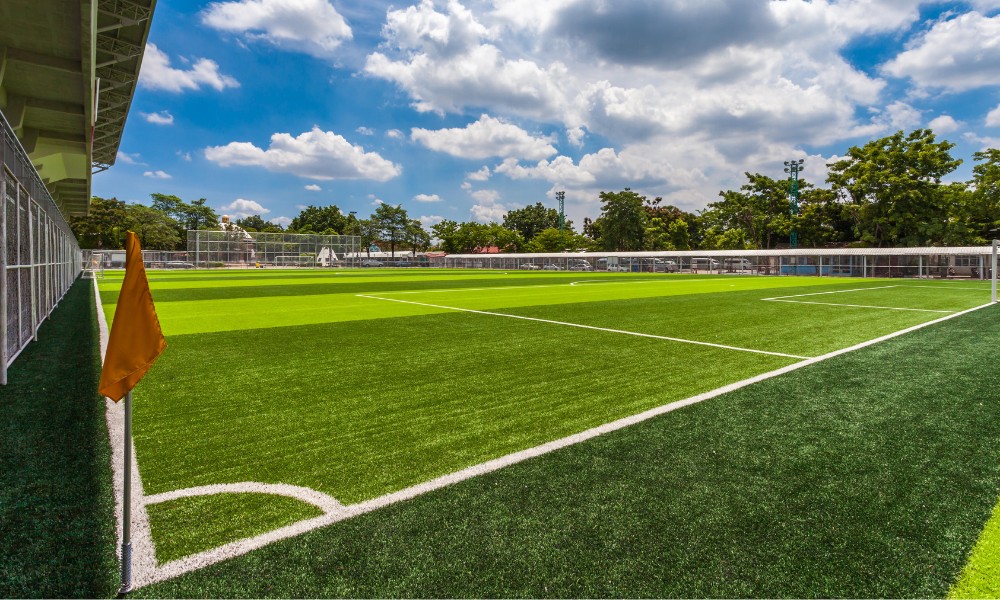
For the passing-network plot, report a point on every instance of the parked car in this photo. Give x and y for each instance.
(617, 269)
(177, 264)
(578, 264)
(530, 267)
(737, 264)
(371, 262)
(551, 267)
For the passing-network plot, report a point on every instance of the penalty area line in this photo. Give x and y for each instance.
(590, 327)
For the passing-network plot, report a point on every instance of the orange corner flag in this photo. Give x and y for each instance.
(136, 339)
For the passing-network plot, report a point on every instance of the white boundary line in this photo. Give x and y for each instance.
(884, 287)
(860, 306)
(148, 573)
(591, 327)
(880, 287)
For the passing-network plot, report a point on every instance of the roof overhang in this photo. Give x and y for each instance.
(68, 71)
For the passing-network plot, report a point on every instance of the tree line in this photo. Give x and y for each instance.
(886, 193)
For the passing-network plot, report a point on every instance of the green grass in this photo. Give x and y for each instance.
(57, 534)
(294, 378)
(204, 522)
(981, 576)
(868, 475)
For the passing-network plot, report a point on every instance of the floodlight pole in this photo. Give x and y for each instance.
(561, 197)
(793, 168)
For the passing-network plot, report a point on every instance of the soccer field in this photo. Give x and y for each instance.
(363, 386)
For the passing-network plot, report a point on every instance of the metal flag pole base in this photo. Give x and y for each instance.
(127, 501)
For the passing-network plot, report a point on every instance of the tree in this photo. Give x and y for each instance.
(892, 187)
(391, 222)
(554, 240)
(368, 231)
(983, 214)
(530, 220)
(447, 232)
(196, 215)
(623, 220)
(416, 236)
(156, 230)
(319, 219)
(104, 226)
(253, 223)
(760, 209)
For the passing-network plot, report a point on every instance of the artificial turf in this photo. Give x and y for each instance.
(57, 536)
(868, 475)
(204, 522)
(372, 396)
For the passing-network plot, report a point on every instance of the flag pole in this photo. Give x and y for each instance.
(127, 501)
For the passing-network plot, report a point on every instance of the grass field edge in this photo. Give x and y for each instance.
(152, 574)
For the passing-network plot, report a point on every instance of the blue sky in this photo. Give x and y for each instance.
(464, 109)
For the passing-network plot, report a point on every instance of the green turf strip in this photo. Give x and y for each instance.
(189, 525)
(981, 576)
(868, 475)
(57, 536)
(358, 410)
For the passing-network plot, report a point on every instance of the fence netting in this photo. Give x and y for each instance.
(39, 255)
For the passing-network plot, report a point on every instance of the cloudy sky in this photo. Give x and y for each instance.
(464, 109)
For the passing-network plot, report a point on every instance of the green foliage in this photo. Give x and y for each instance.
(471, 237)
(256, 223)
(622, 220)
(533, 219)
(416, 236)
(104, 226)
(194, 215)
(392, 223)
(892, 188)
(156, 230)
(327, 220)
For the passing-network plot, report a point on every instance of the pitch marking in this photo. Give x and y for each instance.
(591, 327)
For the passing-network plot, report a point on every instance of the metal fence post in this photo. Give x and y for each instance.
(4, 351)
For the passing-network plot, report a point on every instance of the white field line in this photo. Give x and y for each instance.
(985, 288)
(590, 327)
(861, 306)
(528, 287)
(233, 549)
(884, 287)
(881, 287)
(326, 503)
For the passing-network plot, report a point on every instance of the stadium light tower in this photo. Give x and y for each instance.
(561, 197)
(793, 168)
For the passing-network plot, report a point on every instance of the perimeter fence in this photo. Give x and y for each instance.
(40, 256)
(971, 262)
(238, 248)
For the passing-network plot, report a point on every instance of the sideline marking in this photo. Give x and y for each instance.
(883, 287)
(591, 327)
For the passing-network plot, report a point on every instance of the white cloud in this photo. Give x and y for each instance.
(901, 115)
(484, 138)
(993, 117)
(365, 130)
(944, 124)
(984, 142)
(956, 54)
(129, 159)
(185, 156)
(317, 154)
(482, 174)
(312, 187)
(156, 174)
(157, 74)
(375, 200)
(283, 221)
(159, 118)
(488, 207)
(430, 221)
(310, 26)
(242, 208)
(395, 134)
(427, 198)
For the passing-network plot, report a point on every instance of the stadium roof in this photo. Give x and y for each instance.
(68, 70)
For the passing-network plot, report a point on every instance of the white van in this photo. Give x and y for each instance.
(704, 264)
(737, 264)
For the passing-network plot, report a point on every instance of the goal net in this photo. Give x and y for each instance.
(93, 267)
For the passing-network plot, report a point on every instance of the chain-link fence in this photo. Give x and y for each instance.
(238, 248)
(955, 262)
(39, 255)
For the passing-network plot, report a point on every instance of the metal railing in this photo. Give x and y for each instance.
(39, 256)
